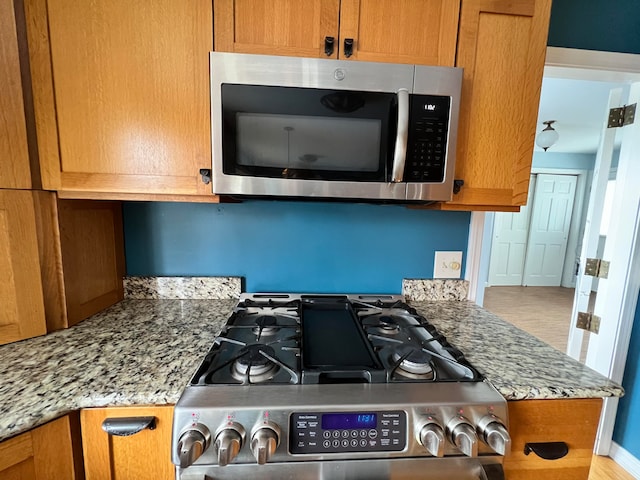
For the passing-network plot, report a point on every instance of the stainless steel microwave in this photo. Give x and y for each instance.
(303, 127)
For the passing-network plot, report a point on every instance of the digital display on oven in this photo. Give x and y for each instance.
(344, 421)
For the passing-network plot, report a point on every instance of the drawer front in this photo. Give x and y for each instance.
(573, 421)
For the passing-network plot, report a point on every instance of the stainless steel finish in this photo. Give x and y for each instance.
(264, 441)
(192, 444)
(339, 75)
(441, 400)
(400, 153)
(496, 436)
(457, 468)
(229, 440)
(432, 438)
(463, 435)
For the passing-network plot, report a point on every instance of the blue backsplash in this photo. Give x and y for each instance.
(291, 246)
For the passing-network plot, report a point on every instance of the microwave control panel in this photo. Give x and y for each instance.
(427, 142)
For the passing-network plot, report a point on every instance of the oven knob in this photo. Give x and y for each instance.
(463, 435)
(228, 442)
(264, 441)
(192, 444)
(432, 438)
(495, 434)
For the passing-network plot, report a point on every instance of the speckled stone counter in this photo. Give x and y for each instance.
(136, 352)
(145, 351)
(519, 365)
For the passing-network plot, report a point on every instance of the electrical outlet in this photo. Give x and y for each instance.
(447, 265)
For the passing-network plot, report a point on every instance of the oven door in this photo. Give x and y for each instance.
(457, 468)
(307, 127)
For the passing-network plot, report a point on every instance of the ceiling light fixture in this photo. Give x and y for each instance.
(547, 137)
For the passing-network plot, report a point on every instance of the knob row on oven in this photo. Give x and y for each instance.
(227, 443)
(461, 432)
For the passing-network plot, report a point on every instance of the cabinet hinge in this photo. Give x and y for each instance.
(621, 116)
(596, 268)
(589, 322)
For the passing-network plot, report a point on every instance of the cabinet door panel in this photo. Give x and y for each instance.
(15, 171)
(22, 313)
(144, 456)
(401, 31)
(126, 95)
(44, 453)
(502, 49)
(276, 27)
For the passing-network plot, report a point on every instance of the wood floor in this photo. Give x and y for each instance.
(545, 312)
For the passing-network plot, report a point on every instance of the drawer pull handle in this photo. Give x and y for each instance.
(125, 426)
(328, 46)
(547, 450)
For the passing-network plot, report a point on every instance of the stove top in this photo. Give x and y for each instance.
(320, 339)
(336, 386)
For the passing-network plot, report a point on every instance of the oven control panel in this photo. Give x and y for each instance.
(347, 432)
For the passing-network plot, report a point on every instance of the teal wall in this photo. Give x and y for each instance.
(291, 246)
(606, 25)
(625, 432)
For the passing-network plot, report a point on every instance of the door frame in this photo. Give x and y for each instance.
(571, 64)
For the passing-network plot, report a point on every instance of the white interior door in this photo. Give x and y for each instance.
(509, 245)
(549, 229)
(617, 294)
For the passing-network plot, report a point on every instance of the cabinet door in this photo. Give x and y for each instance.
(51, 451)
(121, 92)
(14, 155)
(145, 455)
(501, 46)
(276, 27)
(573, 421)
(22, 312)
(400, 31)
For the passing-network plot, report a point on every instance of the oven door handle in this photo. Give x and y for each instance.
(400, 153)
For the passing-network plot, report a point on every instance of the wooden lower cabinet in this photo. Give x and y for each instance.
(145, 455)
(49, 452)
(573, 421)
(60, 260)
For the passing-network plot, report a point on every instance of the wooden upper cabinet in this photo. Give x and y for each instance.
(15, 171)
(276, 27)
(397, 31)
(145, 455)
(121, 93)
(400, 31)
(22, 312)
(501, 46)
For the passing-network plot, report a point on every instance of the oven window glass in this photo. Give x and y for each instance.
(307, 133)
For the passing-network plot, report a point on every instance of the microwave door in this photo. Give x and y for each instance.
(400, 152)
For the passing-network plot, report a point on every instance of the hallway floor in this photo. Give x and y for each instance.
(544, 312)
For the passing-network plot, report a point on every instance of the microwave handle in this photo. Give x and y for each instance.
(400, 153)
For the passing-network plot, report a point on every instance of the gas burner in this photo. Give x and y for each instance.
(255, 364)
(266, 325)
(412, 362)
(382, 324)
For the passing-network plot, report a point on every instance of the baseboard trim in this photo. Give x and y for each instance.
(625, 459)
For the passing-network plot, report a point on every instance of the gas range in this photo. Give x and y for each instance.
(336, 386)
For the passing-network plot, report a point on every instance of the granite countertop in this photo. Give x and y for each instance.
(145, 351)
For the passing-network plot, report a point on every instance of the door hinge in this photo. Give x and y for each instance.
(621, 116)
(596, 268)
(588, 322)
